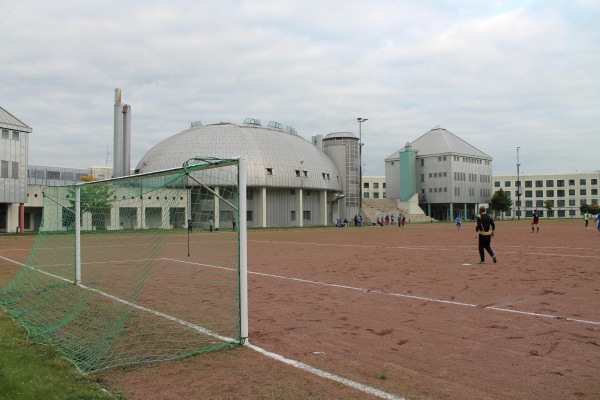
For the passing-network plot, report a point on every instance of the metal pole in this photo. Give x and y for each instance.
(518, 188)
(360, 188)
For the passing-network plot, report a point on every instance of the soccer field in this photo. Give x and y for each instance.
(407, 312)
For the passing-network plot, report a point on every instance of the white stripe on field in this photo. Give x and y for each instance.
(324, 374)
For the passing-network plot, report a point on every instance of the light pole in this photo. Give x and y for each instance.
(360, 184)
(518, 188)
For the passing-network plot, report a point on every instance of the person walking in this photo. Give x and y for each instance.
(210, 224)
(458, 223)
(535, 221)
(485, 228)
(586, 218)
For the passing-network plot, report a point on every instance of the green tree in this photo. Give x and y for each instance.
(548, 205)
(501, 202)
(94, 199)
(593, 209)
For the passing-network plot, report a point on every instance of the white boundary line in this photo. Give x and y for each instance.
(324, 374)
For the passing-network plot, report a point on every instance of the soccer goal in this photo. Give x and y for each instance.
(139, 269)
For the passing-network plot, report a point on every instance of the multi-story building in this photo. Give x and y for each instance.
(447, 176)
(14, 151)
(374, 187)
(565, 193)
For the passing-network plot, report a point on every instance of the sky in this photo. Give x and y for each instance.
(501, 75)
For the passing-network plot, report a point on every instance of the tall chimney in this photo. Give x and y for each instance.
(118, 137)
(126, 140)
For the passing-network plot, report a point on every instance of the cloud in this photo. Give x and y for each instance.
(497, 74)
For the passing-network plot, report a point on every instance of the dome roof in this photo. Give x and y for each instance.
(274, 158)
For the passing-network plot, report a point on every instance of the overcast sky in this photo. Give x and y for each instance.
(497, 74)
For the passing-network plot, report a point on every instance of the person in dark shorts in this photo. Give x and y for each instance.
(485, 228)
(535, 221)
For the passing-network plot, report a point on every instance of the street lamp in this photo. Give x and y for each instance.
(518, 188)
(360, 144)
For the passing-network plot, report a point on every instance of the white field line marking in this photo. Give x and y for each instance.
(432, 248)
(324, 374)
(406, 296)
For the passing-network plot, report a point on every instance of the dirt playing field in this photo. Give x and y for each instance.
(398, 313)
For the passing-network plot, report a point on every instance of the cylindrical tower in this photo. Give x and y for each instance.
(342, 148)
(408, 178)
(118, 136)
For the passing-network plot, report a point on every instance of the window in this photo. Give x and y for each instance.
(305, 174)
(560, 183)
(53, 174)
(539, 183)
(582, 202)
(539, 193)
(539, 203)
(528, 184)
(496, 183)
(270, 172)
(375, 185)
(593, 181)
(297, 172)
(430, 175)
(572, 202)
(560, 193)
(444, 158)
(571, 182)
(5, 134)
(249, 194)
(249, 215)
(549, 183)
(582, 192)
(15, 170)
(528, 193)
(529, 203)
(435, 174)
(594, 192)
(571, 192)
(365, 195)
(594, 201)
(15, 135)
(561, 213)
(422, 177)
(582, 182)
(507, 183)
(366, 185)
(549, 193)
(384, 185)
(292, 215)
(561, 203)
(4, 169)
(306, 215)
(376, 195)
(422, 162)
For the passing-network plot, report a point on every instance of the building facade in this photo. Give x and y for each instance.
(14, 152)
(374, 187)
(447, 176)
(563, 193)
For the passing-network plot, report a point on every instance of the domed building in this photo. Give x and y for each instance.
(290, 181)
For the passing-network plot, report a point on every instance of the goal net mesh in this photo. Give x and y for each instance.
(151, 273)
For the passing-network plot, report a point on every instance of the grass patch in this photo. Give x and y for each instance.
(32, 371)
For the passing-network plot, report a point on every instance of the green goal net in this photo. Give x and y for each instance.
(138, 269)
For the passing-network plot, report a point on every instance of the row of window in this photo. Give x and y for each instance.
(6, 172)
(559, 203)
(366, 195)
(549, 183)
(375, 185)
(559, 193)
(551, 213)
(300, 173)
(16, 135)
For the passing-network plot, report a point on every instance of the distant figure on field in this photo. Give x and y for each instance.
(485, 227)
(233, 223)
(210, 224)
(535, 221)
(458, 223)
(345, 222)
(190, 225)
(403, 220)
(598, 222)
(586, 218)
